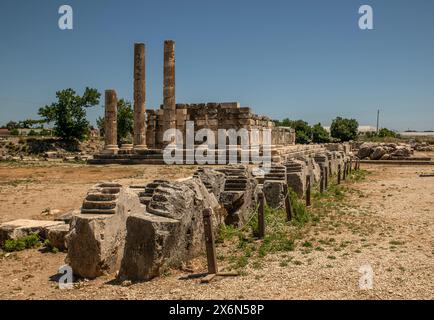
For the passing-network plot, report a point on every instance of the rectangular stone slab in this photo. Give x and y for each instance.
(23, 227)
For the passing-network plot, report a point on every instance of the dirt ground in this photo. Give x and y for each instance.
(387, 222)
(28, 190)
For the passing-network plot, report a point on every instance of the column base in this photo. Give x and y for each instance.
(126, 146)
(110, 149)
(140, 147)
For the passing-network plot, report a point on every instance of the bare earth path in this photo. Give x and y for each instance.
(387, 221)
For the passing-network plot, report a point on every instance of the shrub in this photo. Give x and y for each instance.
(386, 133)
(15, 132)
(30, 241)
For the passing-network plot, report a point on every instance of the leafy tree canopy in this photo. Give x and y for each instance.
(303, 132)
(69, 115)
(25, 124)
(344, 129)
(319, 134)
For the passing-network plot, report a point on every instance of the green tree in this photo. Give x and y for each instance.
(69, 113)
(319, 134)
(283, 123)
(303, 132)
(344, 129)
(125, 120)
(100, 123)
(30, 123)
(12, 125)
(386, 133)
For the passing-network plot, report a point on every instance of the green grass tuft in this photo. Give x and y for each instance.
(30, 241)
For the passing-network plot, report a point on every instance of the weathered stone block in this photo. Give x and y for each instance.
(275, 192)
(171, 232)
(297, 182)
(57, 236)
(96, 241)
(22, 227)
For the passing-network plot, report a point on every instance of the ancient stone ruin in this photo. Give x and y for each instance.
(138, 231)
(150, 125)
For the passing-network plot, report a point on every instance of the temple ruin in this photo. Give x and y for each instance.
(150, 125)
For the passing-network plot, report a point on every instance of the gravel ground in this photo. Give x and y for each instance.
(386, 222)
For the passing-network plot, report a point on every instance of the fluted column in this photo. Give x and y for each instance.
(169, 104)
(139, 97)
(111, 122)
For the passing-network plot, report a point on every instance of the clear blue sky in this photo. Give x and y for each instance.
(296, 59)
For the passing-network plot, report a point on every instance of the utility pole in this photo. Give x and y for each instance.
(378, 120)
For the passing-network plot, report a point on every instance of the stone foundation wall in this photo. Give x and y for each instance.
(214, 116)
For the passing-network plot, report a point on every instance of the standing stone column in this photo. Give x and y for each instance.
(169, 104)
(111, 122)
(139, 97)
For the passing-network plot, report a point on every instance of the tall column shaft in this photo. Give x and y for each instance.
(111, 121)
(139, 97)
(169, 103)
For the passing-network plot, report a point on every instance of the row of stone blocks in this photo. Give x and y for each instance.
(140, 230)
(299, 168)
(155, 156)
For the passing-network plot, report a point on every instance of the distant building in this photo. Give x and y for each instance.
(361, 129)
(366, 129)
(4, 132)
(416, 133)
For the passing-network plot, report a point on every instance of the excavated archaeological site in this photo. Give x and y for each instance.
(302, 224)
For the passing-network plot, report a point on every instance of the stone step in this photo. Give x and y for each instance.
(110, 185)
(111, 190)
(103, 205)
(235, 189)
(236, 178)
(233, 183)
(295, 170)
(275, 177)
(145, 200)
(153, 185)
(145, 193)
(295, 165)
(138, 186)
(98, 211)
(161, 181)
(101, 197)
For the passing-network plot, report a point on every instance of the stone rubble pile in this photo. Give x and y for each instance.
(384, 151)
(423, 146)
